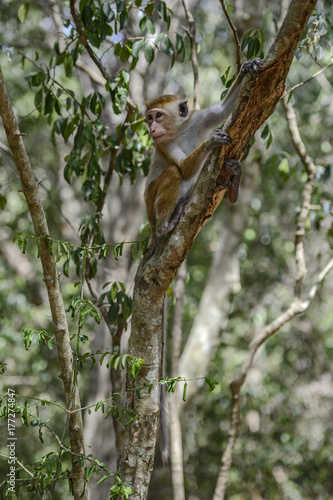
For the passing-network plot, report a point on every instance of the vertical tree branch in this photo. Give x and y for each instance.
(238, 46)
(176, 446)
(30, 191)
(84, 41)
(192, 35)
(310, 169)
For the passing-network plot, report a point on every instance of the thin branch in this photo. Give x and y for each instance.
(307, 81)
(192, 35)
(113, 155)
(56, 82)
(95, 77)
(20, 464)
(6, 149)
(83, 39)
(57, 19)
(310, 169)
(238, 46)
(176, 448)
(94, 293)
(114, 152)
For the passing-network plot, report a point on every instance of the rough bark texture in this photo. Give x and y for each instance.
(259, 97)
(30, 191)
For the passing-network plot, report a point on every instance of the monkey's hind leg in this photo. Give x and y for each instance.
(177, 213)
(166, 199)
(236, 170)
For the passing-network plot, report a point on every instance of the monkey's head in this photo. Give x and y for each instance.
(165, 115)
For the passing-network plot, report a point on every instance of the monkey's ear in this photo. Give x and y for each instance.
(183, 109)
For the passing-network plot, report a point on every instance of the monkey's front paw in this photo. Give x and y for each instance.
(221, 138)
(252, 66)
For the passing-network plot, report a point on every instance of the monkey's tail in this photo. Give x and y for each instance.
(164, 424)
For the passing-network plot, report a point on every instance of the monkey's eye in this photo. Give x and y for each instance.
(149, 118)
(159, 115)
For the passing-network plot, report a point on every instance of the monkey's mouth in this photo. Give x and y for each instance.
(156, 139)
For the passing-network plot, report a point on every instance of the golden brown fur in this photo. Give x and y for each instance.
(161, 101)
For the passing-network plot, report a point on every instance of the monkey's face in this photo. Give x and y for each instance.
(166, 119)
(159, 125)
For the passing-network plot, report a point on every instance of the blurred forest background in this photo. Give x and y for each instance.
(240, 273)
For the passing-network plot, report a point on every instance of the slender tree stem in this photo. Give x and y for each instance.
(30, 191)
(238, 46)
(192, 36)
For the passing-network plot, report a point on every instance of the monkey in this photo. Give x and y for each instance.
(183, 140)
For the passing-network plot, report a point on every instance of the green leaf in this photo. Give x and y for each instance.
(123, 361)
(107, 475)
(134, 369)
(143, 23)
(125, 76)
(150, 26)
(114, 290)
(166, 45)
(265, 132)
(49, 103)
(108, 12)
(87, 15)
(136, 48)
(284, 166)
(38, 98)
(184, 391)
(23, 11)
(179, 44)
(148, 52)
(212, 383)
(116, 362)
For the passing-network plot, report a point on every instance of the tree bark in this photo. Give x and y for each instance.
(258, 99)
(30, 191)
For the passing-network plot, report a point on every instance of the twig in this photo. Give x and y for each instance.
(20, 464)
(95, 77)
(94, 293)
(114, 154)
(308, 188)
(239, 64)
(191, 33)
(83, 39)
(307, 81)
